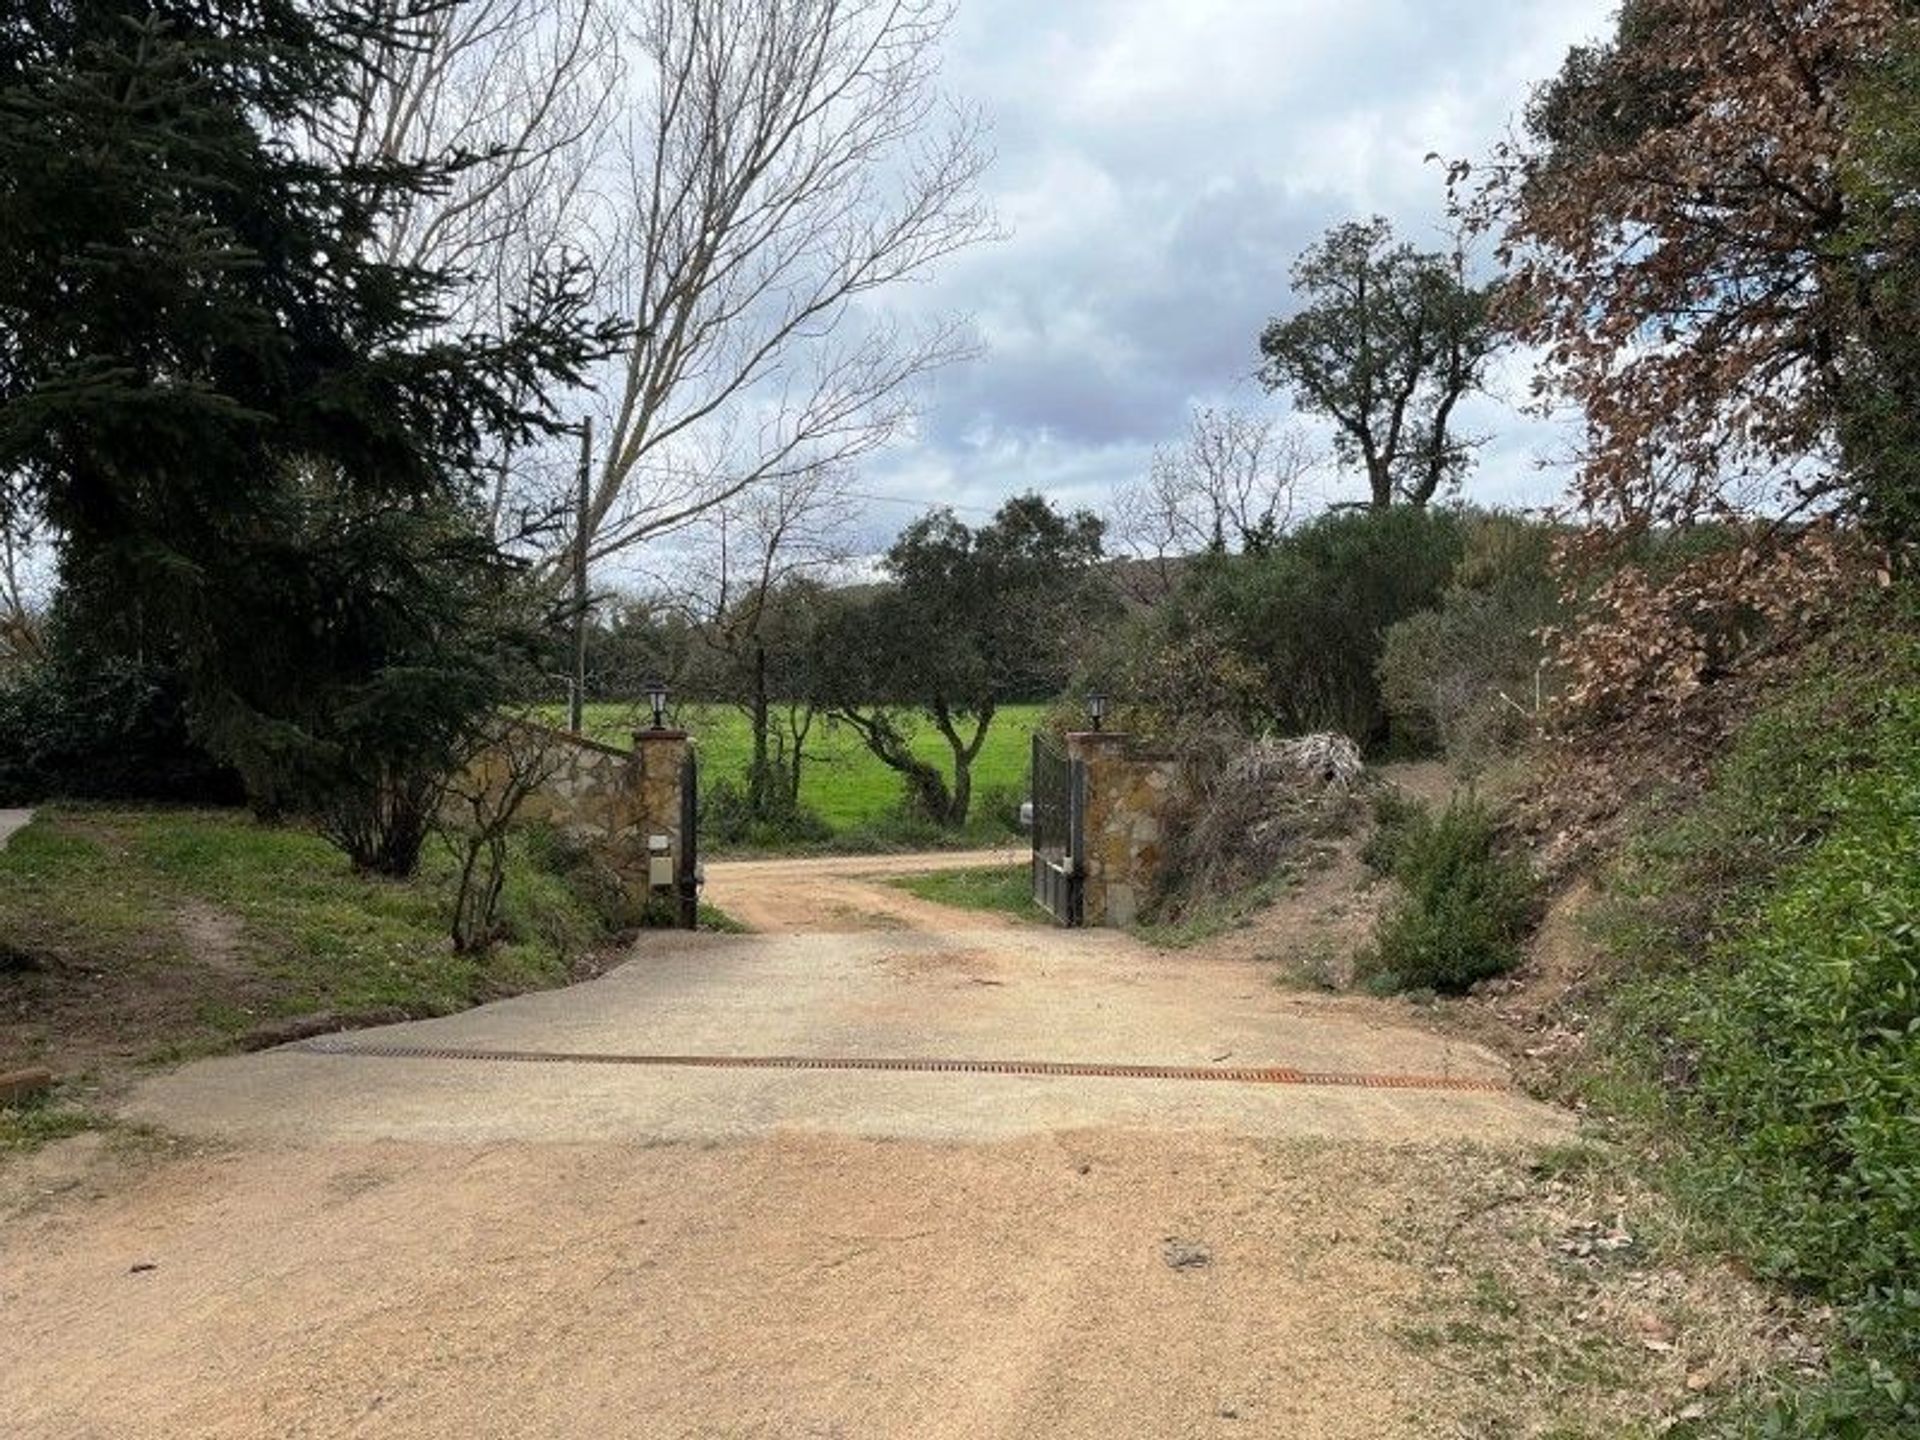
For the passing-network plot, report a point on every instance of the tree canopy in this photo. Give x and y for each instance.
(1387, 342)
(972, 618)
(1710, 223)
(212, 389)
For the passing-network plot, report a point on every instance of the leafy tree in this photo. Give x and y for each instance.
(1710, 224)
(1305, 622)
(973, 618)
(1880, 389)
(1387, 343)
(212, 390)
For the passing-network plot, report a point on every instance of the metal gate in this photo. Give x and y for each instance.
(687, 871)
(1059, 832)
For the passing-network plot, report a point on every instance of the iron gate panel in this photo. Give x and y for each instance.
(687, 876)
(1059, 832)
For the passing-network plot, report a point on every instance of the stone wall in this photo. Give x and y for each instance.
(613, 801)
(1130, 793)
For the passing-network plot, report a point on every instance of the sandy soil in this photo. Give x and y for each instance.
(1075, 1284)
(843, 892)
(359, 1246)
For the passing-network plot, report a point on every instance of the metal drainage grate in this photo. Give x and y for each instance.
(1243, 1075)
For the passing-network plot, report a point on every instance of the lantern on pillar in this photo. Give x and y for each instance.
(1097, 707)
(657, 697)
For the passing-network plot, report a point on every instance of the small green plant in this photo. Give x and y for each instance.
(1464, 910)
(1395, 813)
(28, 1124)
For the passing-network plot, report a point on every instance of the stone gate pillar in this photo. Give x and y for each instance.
(1129, 794)
(659, 771)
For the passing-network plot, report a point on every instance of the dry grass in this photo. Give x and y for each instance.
(1575, 1302)
(1249, 820)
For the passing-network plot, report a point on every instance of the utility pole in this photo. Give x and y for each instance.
(576, 702)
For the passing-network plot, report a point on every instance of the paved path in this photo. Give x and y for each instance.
(480, 1246)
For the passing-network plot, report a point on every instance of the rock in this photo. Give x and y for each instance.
(1185, 1254)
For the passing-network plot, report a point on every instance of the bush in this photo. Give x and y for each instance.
(1464, 909)
(728, 820)
(1395, 813)
(84, 729)
(1304, 621)
(1246, 824)
(1773, 1012)
(1464, 675)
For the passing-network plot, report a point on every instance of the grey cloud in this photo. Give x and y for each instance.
(1160, 167)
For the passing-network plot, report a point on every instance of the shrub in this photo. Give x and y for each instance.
(728, 820)
(1394, 814)
(998, 807)
(1464, 674)
(1303, 621)
(1247, 823)
(1773, 1010)
(73, 728)
(1464, 908)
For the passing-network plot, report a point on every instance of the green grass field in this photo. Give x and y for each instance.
(841, 780)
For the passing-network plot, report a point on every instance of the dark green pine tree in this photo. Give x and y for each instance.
(218, 398)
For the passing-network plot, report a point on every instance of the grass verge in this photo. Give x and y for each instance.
(132, 936)
(1004, 889)
(1759, 1047)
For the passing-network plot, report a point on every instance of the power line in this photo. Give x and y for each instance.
(919, 503)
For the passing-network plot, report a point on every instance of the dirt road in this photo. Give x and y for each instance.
(424, 1237)
(829, 894)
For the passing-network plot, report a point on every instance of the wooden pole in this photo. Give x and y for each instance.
(577, 700)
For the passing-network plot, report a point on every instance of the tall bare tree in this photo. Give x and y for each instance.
(1229, 484)
(784, 162)
(741, 178)
(762, 557)
(528, 91)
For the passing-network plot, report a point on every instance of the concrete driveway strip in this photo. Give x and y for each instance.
(1003, 995)
(12, 821)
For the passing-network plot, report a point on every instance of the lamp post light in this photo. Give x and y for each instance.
(1097, 707)
(657, 697)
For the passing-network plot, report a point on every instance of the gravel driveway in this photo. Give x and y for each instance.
(718, 1241)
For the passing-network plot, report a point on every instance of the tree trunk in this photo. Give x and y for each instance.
(759, 774)
(1380, 481)
(799, 725)
(962, 798)
(926, 787)
(964, 753)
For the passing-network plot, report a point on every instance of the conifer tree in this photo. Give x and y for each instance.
(213, 391)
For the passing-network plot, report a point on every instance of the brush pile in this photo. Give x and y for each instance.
(1250, 816)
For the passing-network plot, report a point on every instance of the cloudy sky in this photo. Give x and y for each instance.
(1159, 164)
